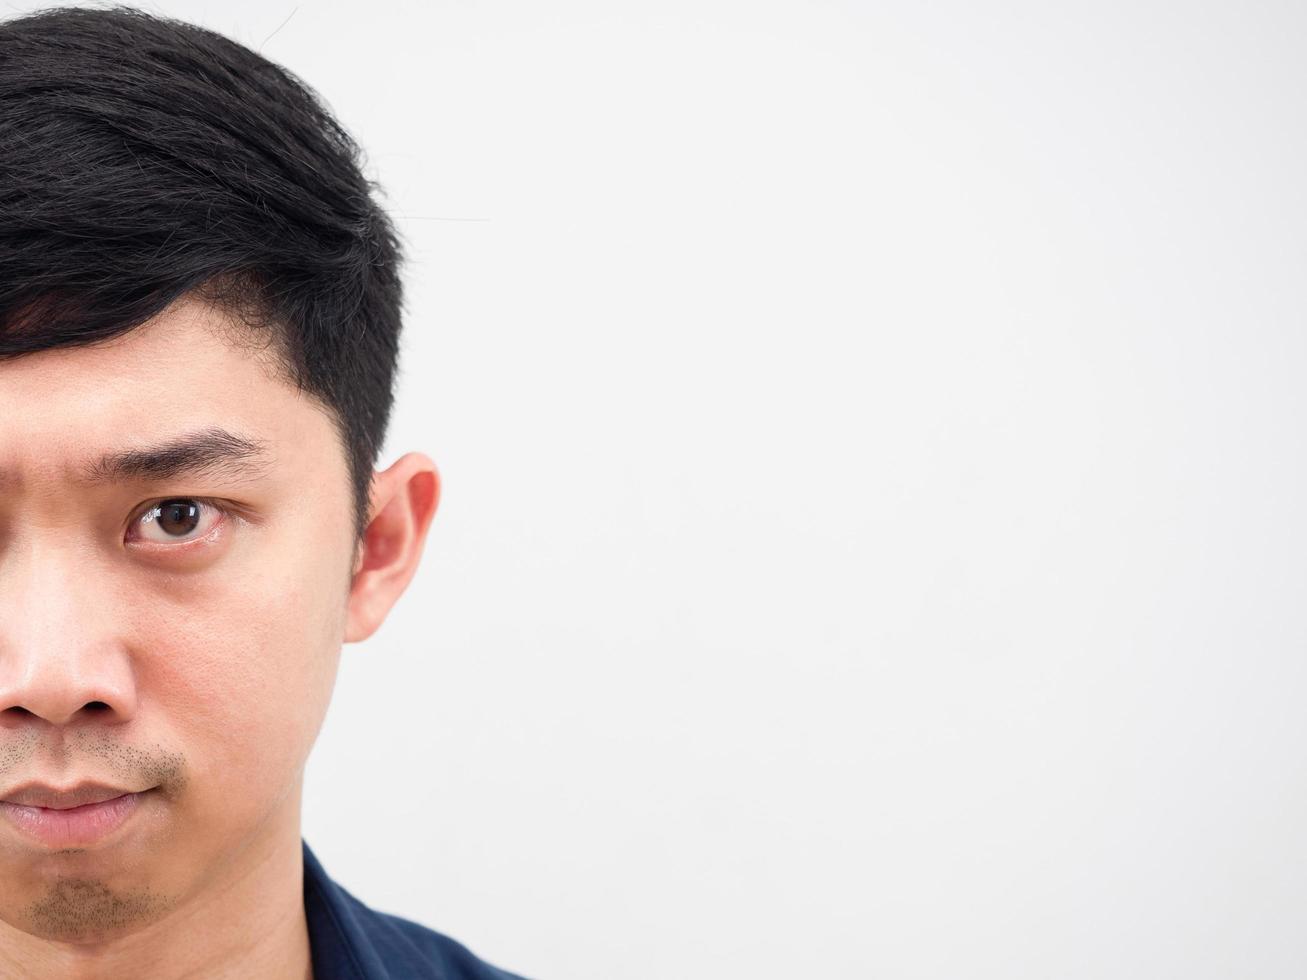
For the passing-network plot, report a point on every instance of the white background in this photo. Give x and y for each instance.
(873, 453)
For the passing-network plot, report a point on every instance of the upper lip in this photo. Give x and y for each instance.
(39, 794)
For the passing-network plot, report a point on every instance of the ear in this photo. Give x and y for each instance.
(403, 501)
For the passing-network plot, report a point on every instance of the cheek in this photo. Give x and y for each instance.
(237, 665)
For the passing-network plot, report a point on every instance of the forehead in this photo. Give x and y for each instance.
(182, 372)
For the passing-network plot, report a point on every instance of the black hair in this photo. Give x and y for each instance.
(143, 158)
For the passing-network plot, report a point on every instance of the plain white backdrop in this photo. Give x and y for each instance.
(872, 541)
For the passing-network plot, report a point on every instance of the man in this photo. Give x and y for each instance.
(199, 322)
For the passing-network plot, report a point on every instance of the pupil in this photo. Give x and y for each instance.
(179, 517)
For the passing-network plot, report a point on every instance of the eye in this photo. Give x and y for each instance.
(177, 520)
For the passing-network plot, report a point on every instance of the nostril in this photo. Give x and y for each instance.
(18, 711)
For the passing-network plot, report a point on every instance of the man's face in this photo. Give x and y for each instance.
(190, 649)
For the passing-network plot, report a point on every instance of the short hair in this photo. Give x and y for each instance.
(143, 158)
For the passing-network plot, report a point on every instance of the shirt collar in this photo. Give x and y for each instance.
(338, 940)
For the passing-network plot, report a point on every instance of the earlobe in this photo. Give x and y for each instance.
(404, 500)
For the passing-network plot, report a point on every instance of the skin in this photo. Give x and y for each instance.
(212, 652)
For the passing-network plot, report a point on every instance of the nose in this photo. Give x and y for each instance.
(61, 659)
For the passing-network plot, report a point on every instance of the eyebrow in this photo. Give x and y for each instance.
(208, 451)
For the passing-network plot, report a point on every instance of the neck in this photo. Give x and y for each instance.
(249, 923)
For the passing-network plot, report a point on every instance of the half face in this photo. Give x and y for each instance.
(171, 619)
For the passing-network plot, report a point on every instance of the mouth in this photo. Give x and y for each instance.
(69, 823)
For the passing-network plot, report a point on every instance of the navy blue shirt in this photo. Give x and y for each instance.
(349, 941)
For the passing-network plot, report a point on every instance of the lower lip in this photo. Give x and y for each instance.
(74, 827)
